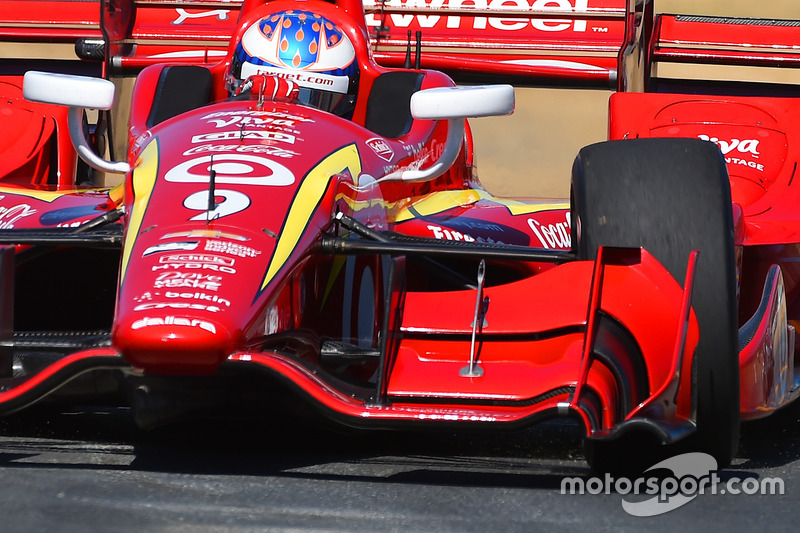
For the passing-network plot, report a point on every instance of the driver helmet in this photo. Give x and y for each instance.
(303, 47)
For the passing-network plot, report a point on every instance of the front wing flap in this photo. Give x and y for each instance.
(552, 359)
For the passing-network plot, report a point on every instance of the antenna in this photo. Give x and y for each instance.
(212, 181)
(418, 50)
(407, 63)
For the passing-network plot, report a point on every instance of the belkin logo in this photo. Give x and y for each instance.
(748, 146)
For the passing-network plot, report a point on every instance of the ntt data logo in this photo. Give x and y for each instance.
(692, 475)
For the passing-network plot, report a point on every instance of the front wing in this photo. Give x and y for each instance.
(567, 342)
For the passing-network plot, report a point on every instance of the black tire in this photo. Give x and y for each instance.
(671, 196)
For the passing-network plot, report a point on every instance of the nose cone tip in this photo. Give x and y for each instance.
(174, 344)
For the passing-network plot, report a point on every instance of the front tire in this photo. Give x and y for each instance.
(671, 196)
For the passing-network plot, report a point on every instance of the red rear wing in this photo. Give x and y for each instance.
(143, 32)
(727, 41)
(568, 42)
(571, 41)
(48, 20)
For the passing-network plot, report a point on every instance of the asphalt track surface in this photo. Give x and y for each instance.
(90, 470)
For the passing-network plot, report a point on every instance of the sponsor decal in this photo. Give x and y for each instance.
(422, 153)
(183, 15)
(207, 233)
(188, 280)
(251, 121)
(275, 114)
(194, 266)
(737, 147)
(450, 235)
(188, 264)
(556, 235)
(146, 297)
(171, 247)
(381, 148)
(747, 146)
(316, 80)
(9, 216)
(263, 149)
(454, 22)
(471, 229)
(174, 321)
(238, 135)
(177, 305)
(200, 296)
(199, 258)
(237, 169)
(231, 248)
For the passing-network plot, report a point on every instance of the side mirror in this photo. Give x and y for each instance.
(454, 104)
(68, 90)
(77, 93)
(463, 102)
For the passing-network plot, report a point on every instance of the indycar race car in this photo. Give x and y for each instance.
(298, 211)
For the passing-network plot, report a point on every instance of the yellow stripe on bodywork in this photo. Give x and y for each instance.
(308, 196)
(117, 194)
(47, 196)
(144, 179)
(358, 205)
(441, 201)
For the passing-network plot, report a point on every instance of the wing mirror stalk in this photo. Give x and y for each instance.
(77, 93)
(454, 104)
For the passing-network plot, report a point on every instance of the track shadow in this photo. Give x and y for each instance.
(299, 448)
(310, 448)
(773, 441)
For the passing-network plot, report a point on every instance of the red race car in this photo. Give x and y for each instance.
(298, 212)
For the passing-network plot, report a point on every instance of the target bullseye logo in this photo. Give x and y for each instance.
(238, 169)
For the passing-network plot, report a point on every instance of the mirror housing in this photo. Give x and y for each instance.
(463, 102)
(76, 93)
(454, 104)
(68, 90)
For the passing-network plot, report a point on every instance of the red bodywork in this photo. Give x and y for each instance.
(264, 283)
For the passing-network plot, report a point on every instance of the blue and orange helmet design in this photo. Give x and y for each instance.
(305, 40)
(302, 46)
